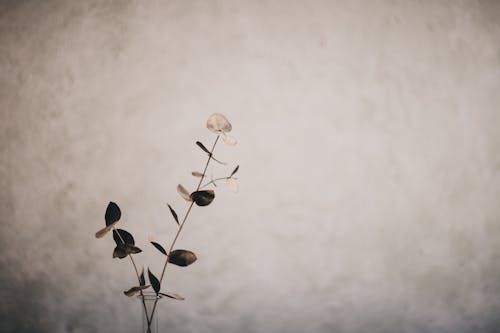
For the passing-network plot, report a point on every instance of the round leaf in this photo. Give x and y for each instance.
(218, 123)
(203, 198)
(125, 236)
(183, 193)
(181, 257)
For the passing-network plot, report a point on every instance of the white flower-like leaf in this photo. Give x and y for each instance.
(229, 139)
(232, 184)
(217, 123)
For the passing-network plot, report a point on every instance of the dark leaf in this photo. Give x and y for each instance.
(174, 214)
(235, 170)
(113, 213)
(119, 252)
(131, 249)
(134, 290)
(122, 250)
(174, 296)
(181, 257)
(142, 280)
(154, 282)
(125, 236)
(203, 198)
(203, 147)
(159, 247)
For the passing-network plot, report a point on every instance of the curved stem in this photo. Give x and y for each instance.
(183, 222)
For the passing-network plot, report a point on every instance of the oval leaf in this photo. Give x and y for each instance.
(183, 193)
(154, 281)
(232, 184)
(174, 214)
(131, 249)
(229, 139)
(218, 123)
(101, 233)
(202, 146)
(174, 296)
(126, 237)
(197, 174)
(134, 290)
(159, 247)
(181, 257)
(113, 213)
(203, 198)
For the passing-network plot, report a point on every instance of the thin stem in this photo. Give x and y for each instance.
(138, 279)
(214, 180)
(184, 221)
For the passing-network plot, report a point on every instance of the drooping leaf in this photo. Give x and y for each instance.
(125, 236)
(234, 171)
(197, 174)
(173, 295)
(174, 214)
(229, 139)
(119, 252)
(218, 123)
(101, 233)
(232, 184)
(113, 213)
(122, 250)
(142, 280)
(134, 290)
(155, 283)
(203, 198)
(202, 146)
(183, 193)
(181, 257)
(159, 247)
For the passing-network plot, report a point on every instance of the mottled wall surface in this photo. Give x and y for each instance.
(369, 144)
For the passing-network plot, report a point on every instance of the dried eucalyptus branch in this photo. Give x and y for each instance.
(125, 243)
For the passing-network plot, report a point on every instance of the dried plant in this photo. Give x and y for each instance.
(125, 243)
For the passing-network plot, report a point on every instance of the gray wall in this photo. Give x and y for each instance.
(369, 147)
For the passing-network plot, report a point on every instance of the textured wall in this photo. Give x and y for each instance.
(369, 147)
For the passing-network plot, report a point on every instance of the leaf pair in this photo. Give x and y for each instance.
(177, 257)
(125, 244)
(201, 198)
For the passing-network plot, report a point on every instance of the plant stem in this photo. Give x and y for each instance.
(138, 279)
(214, 180)
(184, 221)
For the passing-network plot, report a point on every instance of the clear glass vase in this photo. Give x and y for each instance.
(149, 303)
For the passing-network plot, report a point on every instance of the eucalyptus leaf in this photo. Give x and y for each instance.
(232, 184)
(203, 198)
(101, 233)
(125, 236)
(183, 193)
(159, 247)
(119, 252)
(134, 290)
(229, 139)
(155, 283)
(131, 249)
(181, 257)
(113, 213)
(142, 280)
(173, 295)
(197, 174)
(174, 214)
(234, 171)
(202, 146)
(218, 123)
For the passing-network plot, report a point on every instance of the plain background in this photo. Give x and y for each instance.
(369, 147)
